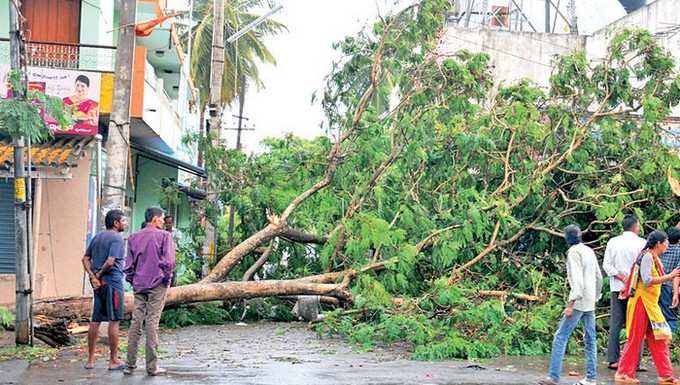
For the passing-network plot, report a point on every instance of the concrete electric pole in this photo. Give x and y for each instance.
(23, 330)
(118, 142)
(215, 111)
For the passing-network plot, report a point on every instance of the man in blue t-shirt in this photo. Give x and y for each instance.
(103, 263)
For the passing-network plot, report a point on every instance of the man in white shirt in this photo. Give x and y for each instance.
(619, 257)
(585, 283)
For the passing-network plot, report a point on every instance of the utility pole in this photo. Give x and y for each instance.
(23, 329)
(216, 72)
(118, 142)
(239, 129)
(215, 110)
(468, 12)
(547, 16)
(572, 17)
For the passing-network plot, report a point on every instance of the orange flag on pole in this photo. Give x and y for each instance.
(145, 28)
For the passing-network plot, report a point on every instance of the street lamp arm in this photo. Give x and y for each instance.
(253, 24)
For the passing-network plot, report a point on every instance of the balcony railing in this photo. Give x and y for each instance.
(88, 57)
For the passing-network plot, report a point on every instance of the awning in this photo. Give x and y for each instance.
(168, 160)
(57, 155)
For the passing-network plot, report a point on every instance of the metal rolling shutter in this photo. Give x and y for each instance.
(7, 242)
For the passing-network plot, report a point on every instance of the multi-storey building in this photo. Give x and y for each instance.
(71, 51)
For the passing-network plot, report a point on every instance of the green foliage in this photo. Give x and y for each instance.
(188, 262)
(6, 318)
(27, 353)
(217, 313)
(211, 313)
(371, 294)
(458, 171)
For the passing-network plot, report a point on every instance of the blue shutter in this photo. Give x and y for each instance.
(7, 242)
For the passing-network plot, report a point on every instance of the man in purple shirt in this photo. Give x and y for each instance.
(149, 267)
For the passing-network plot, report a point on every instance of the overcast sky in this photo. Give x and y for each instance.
(305, 57)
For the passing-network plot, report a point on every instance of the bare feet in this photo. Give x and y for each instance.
(89, 365)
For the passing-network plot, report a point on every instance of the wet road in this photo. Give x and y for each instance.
(272, 354)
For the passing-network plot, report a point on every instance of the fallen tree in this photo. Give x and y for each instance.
(81, 307)
(442, 209)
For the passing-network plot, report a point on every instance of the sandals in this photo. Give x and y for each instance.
(118, 367)
(624, 379)
(669, 381)
(157, 372)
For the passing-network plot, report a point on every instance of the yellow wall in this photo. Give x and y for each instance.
(137, 95)
(106, 93)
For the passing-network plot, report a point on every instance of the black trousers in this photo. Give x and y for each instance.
(617, 322)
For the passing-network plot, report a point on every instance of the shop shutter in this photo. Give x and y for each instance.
(7, 242)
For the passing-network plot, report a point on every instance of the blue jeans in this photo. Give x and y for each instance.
(665, 302)
(559, 346)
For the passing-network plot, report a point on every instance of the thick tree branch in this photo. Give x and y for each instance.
(248, 275)
(504, 294)
(277, 225)
(302, 237)
(81, 307)
(489, 248)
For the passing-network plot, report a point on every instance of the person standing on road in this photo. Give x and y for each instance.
(103, 263)
(619, 257)
(644, 317)
(149, 267)
(585, 282)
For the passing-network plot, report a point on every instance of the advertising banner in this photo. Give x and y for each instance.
(79, 90)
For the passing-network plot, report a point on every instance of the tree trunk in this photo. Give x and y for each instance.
(81, 307)
(235, 255)
(260, 261)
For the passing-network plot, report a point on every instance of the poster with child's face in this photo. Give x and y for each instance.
(79, 90)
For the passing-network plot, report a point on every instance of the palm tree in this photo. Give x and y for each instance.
(242, 57)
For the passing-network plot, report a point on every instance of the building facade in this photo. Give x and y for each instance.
(519, 54)
(72, 44)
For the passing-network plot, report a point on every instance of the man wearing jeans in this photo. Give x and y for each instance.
(619, 256)
(149, 266)
(585, 281)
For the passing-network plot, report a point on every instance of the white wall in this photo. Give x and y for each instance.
(514, 55)
(159, 111)
(517, 55)
(658, 17)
